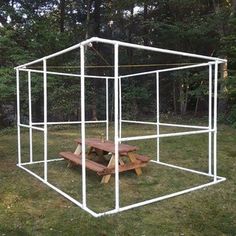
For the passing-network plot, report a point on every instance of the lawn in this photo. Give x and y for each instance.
(28, 207)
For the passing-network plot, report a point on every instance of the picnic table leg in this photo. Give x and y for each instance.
(77, 152)
(106, 178)
(133, 159)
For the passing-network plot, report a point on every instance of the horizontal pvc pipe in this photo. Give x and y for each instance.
(165, 135)
(33, 127)
(165, 124)
(37, 162)
(187, 169)
(189, 67)
(70, 122)
(219, 179)
(139, 122)
(182, 168)
(169, 69)
(170, 51)
(185, 126)
(131, 45)
(169, 195)
(66, 74)
(60, 191)
(96, 39)
(50, 56)
(99, 40)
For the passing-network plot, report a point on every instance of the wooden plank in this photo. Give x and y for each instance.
(77, 160)
(122, 168)
(139, 157)
(133, 159)
(106, 178)
(142, 158)
(107, 146)
(78, 150)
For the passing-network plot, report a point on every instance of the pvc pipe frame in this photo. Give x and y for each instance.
(210, 129)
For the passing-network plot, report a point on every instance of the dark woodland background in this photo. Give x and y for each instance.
(31, 29)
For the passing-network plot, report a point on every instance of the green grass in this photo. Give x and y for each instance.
(28, 207)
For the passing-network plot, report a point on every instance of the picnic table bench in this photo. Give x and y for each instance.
(136, 161)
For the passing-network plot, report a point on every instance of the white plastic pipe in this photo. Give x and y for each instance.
(18, 115)
(165, 135)
(169, 195)
(165, 124)
(184, 126)
(116, 120)
(120, 109)
(30, 116)
(50, 56)
(107, 109)
(139, 122)
(182, 168)
(60, 192)
(158, 115)
(37, 162)
(215, 121)
(70, 122)
(131, 45)
(66, 74)
(210, 122)
(45, 104)
(169, 69)
(84, 198)
(33, 127)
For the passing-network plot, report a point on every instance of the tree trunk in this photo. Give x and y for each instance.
(174, 97)
(62, 16)
(145, 14)
(223, 89)
(97, 17)
(130, 32)
(183, 95)
(196, 106)
(234, 6)
(88, 19)
(181, 98)
(186, 99)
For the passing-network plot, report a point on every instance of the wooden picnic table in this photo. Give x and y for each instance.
(101, 148)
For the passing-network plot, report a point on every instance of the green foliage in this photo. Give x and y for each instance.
(231, 118)
(7, 85)
(33, 29)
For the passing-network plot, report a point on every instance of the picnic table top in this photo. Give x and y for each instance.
(107, 145)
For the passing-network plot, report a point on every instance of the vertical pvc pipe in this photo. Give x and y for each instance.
(18, 115)
(120, 109)
(84, 200)
(158, 115)
(107, 111)
(210, 122)
(215, 121)
(116, 120)
(30, 117)
(45, 120)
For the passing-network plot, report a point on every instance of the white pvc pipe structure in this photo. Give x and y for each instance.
(158, 115)
(116, 121)
(45, 104)
(211, 129)
(84, 202)
(210, 122)
(30, 116)
(107, 109)
(215, 122)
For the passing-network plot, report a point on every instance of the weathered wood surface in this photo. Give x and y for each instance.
(77, 160)
(107, 146)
